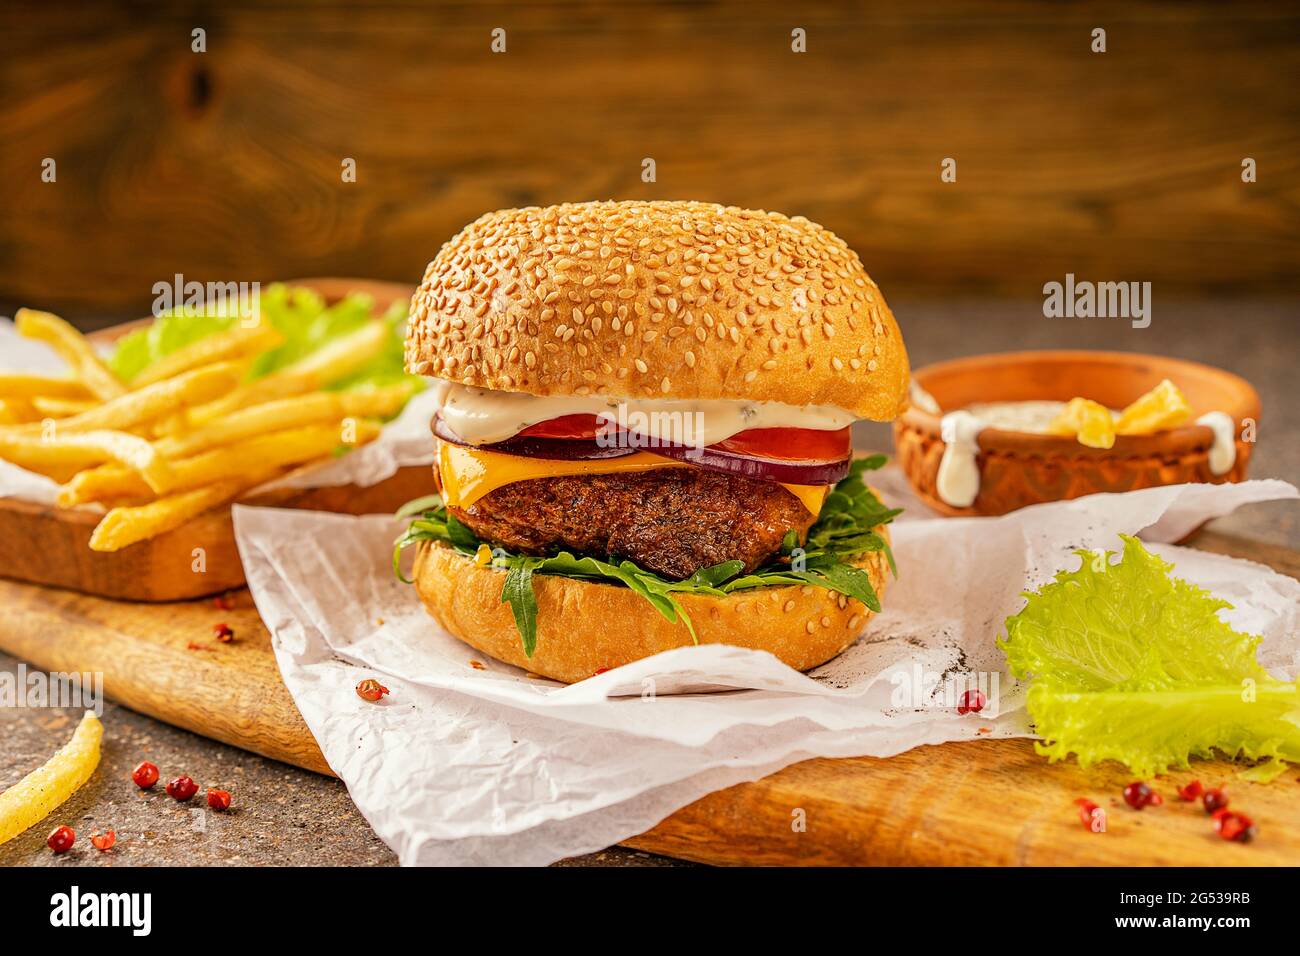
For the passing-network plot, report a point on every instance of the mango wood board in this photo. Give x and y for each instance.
(987, 803)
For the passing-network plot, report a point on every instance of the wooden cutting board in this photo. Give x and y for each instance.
(992, 802)
(43, 544)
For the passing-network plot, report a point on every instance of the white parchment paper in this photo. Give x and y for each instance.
(403, 441)
(462, 765)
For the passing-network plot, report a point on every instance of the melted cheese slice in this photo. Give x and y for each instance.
(467, 474)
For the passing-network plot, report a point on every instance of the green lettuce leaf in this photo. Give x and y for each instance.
(1128, 663)
(299, 314)
(845, 528)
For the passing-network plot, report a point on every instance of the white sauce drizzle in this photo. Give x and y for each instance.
(482, 416)
(1223, 452)
(958, 481)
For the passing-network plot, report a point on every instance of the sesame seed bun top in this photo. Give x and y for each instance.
(682, 300)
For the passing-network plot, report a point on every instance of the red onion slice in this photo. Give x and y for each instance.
(554, 449)
(764, 469)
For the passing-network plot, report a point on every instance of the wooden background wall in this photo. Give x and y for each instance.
(226, 165)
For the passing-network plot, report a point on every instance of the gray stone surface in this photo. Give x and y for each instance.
(282, 815)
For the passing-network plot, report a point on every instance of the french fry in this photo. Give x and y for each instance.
(35, 797)
(56, 452)
(17, 411)
(218, 347)
(152, 401)
(126, 525)
(21, 385)
(60, 407)
(328, 364)
(293, 446)
(73, 347)
(308, 409)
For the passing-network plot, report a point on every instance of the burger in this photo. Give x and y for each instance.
(643, 439)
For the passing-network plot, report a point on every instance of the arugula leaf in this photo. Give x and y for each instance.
(1129, 663)
(460, 536)
(299, 314)
(518, 592)
(846, 528)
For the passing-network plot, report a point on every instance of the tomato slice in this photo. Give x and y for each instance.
(777, 444)
(789, 444)
(566, 426)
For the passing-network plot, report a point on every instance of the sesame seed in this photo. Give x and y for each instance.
(492, 294)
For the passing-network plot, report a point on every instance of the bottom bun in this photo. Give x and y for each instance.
(584, 627)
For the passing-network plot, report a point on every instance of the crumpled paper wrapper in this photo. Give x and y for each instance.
(471, 761)
(403, 441)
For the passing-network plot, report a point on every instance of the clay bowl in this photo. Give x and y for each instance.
(1019, 469)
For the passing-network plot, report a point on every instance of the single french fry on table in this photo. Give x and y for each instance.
(22, 385)
(88, 367)
(218, 347)
(38, 794)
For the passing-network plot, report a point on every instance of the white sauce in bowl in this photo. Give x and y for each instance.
(958, 481)
(1033, 417)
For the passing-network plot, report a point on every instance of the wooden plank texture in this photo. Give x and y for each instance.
(227, 164)
(985, 803)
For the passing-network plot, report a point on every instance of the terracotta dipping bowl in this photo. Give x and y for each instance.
(1019, 469)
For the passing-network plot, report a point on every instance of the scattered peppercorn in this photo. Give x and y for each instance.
(972, 702)
(182, 788)
(1192, 791)
(218, 799)
(61, 839)
(104, 841)
(1139, 796)
(223, 632)
(1231, 825)
(223, 602)
(145, 775)
(371, 690)
(1214, 800)
(1090, 814)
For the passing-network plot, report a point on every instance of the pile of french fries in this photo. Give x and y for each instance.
(189, 433)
